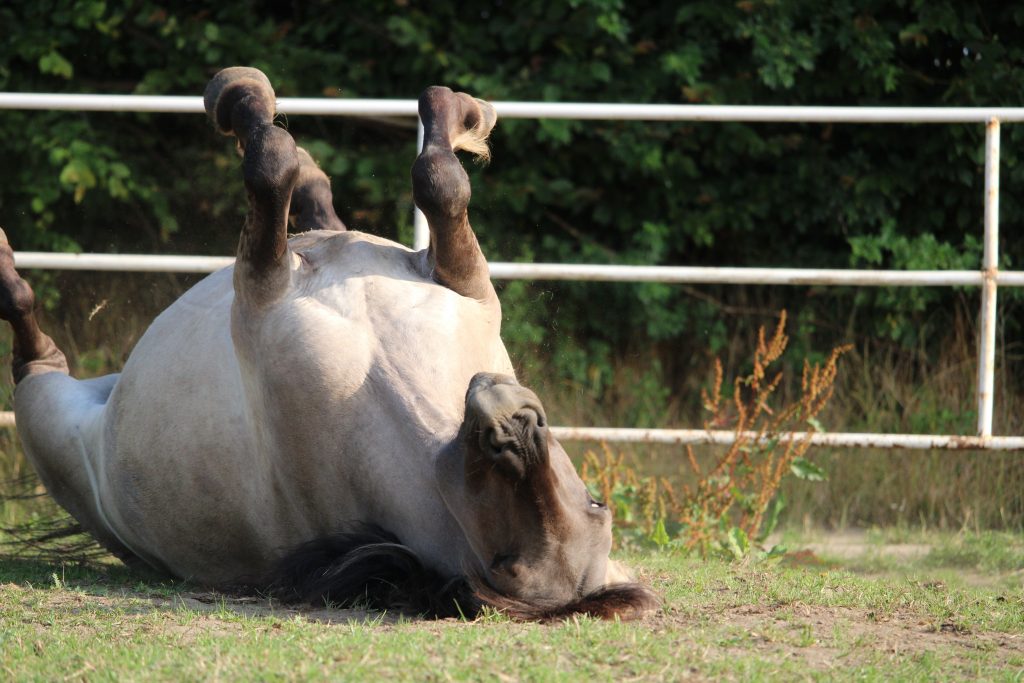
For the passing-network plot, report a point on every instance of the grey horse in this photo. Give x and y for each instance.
(335, 416)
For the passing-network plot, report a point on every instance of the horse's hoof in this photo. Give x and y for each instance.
(467, 120)
(478, 119)
(229, 87)
(488, 116)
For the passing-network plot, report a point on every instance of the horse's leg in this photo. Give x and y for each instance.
(452, 121)
(280, 181)
(56, 413)
(241, 102)
(34, 352)
(312, 203)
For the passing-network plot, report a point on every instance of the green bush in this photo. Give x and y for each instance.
(894, 196)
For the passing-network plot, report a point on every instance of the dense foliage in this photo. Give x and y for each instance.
(896, 196)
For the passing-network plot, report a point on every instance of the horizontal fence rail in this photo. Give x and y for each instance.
(987, 278)
(567, 271)
(187, 104)
(685, 437)
(718, 437)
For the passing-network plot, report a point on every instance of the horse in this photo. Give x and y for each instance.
(332, 418)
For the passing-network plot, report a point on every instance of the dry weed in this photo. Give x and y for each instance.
(728, 503)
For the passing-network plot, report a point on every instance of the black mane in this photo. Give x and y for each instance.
(369, 567)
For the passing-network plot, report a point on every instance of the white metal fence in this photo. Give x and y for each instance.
(988, 277)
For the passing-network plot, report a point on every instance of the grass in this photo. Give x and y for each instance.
(811, 616)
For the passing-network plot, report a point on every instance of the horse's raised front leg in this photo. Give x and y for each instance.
(282, 181)
(452, 121)
(312, 202)
(34, 352)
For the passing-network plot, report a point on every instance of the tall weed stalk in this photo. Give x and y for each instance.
(733, 500)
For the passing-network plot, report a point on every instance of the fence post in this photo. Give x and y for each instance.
(990, 268)
(420, 231)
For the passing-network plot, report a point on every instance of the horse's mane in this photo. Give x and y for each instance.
(368, 566)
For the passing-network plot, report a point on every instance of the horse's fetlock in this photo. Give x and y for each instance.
(440, 185)
(19, 299)
(271, 163)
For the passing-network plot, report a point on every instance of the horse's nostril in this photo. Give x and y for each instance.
(528, 418)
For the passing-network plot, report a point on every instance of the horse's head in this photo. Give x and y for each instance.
(539, 541)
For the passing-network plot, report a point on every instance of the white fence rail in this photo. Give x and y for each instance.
(988, 277)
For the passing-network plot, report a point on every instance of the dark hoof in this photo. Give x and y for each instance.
(478, 119)
(16, 297)
(468, 120)
(232, 85)
(481, 114)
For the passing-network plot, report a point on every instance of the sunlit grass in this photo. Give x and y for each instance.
(719, 619)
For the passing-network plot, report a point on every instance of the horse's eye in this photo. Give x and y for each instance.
(501, 562)
(596, 505)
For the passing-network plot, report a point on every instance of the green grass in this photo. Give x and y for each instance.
(753, 621)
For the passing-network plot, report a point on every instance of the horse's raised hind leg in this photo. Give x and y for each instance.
(281, 181)
(440, 187)
(34, 352)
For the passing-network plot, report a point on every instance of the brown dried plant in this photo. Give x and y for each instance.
(728, 501)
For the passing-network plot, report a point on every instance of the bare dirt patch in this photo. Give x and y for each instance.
(854, 544)
(824, 638)
(846, 545)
